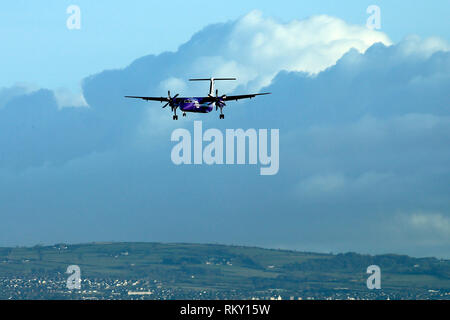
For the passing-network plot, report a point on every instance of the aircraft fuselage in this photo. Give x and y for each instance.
(196, 104)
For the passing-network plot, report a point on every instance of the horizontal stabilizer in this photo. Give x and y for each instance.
(209, 79)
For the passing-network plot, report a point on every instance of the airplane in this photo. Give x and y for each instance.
(199, 104)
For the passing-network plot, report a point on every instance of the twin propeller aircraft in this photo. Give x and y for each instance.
(199, 104)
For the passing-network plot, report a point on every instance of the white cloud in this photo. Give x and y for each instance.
(427, 232)
(432, 222)
(257, 48)
(175, 85)
(64, 97)
(414, 45)
(67, 98)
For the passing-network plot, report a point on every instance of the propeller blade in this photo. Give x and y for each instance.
(166, 105)
(168, 92)
(175, 96)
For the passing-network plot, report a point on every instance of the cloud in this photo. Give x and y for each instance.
(67, 98)
(423, 231)
(173, 84)
(64, 97)
(255, 48)
(364, 129)
(7, 94)
(337, 184)
(424, 48)
(431, 222)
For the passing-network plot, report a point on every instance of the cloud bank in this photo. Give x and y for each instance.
(364, 128)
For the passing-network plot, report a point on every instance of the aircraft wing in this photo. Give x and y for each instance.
(244, 96)
(161, 99)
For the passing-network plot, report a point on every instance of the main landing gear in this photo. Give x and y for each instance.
(222, 116)
(184, 114)
(174, 109)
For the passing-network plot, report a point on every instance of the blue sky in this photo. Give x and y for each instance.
(363, 115)
(40, 50)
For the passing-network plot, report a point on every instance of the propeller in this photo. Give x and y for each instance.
(218, 100)
(171, 100)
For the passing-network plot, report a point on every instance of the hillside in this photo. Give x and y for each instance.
(216, 271)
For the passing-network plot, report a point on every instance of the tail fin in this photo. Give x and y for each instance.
(211, 86)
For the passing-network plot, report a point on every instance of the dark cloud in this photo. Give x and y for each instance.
(34, 131)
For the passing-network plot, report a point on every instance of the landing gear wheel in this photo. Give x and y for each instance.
(184, 114)
(222, 116)
(175, 117)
